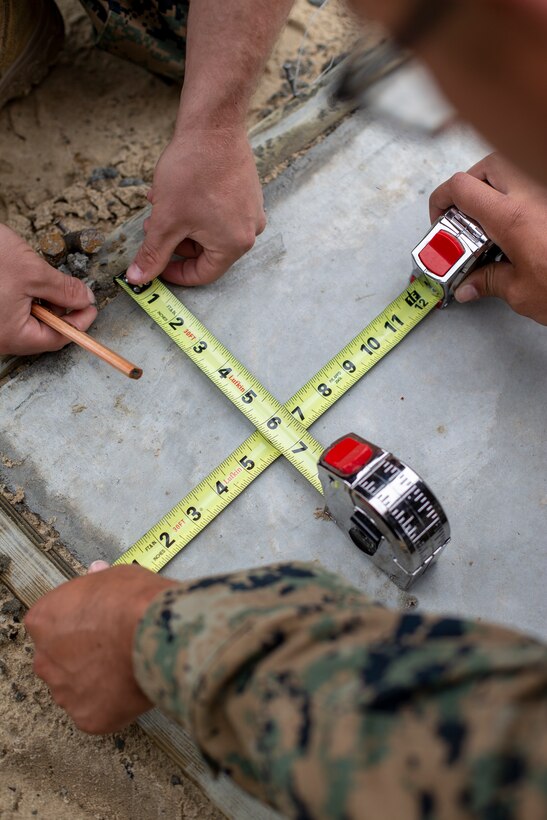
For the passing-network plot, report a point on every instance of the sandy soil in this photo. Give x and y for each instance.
(91, 112)
(95, 110)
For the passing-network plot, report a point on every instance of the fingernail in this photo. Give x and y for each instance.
(135, 275)
(467, 293)
(91, 295)
(98, 566)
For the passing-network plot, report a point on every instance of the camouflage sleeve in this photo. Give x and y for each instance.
(326, 705)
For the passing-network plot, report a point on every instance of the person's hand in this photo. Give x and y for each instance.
(83, 634)
(513, 212)
(207, 206)
(25, 277)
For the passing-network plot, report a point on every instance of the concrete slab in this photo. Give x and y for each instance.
(462, 399)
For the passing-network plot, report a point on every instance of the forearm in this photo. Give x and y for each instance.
(316, 700)
(228, 44)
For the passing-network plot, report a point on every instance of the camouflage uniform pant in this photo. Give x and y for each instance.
(151, 33)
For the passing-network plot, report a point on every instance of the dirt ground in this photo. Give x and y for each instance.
(94, 112)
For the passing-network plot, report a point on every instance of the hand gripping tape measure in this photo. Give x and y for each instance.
(383, 506)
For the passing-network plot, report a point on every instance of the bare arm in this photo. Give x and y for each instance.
(229, 42)
(206, 196)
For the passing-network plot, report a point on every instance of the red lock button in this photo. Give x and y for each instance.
(441, 253)
(349, 456)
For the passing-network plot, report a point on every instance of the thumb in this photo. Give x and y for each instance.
(153, 255)
(491, 280)
(62, 290)
(98, 566)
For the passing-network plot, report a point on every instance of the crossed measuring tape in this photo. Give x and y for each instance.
(281, 429)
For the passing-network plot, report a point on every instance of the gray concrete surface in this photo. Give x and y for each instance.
(462, 399)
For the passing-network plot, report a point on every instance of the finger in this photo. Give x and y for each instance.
(98, 566)
(491, 280)
(36, 337)
(496, 212)
(82, 319)
(61, 290)
(262, 222)
(466, 192)
(155, 251)
(500, 174)
(206, 268)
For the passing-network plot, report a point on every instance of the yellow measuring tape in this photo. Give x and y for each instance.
(281, 429)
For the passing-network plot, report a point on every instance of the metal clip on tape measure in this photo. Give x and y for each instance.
(453, 247)
(386, 509)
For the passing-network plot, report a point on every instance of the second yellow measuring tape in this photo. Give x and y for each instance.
(280, 428)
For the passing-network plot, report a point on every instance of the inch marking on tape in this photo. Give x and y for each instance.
(197, 509)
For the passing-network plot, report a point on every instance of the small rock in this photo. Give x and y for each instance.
(176, 780)
(129, 182)
(97, 174)
(5, 562)
(3, 668)
(129, 769)
(18, 694)
(14, 608)
(8, 634)
(119, 743)
(78, 263)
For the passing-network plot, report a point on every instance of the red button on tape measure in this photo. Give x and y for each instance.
(442, 253)
(349, 455)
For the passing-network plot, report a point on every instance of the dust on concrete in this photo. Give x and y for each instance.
(81, 149)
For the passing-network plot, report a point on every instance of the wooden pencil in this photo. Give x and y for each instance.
(85, 341)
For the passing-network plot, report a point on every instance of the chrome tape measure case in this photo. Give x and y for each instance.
(448, 253)
(386, 509)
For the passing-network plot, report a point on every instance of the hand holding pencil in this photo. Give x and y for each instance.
(28, 328)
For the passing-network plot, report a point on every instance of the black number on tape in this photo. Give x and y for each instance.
(193, 513)
(371, 345)
(349, 366)
(274, 423)
(298, 412)
(152, 299)
(247, 463)
(389, 326)
(248, 397)
(301, 448)
(221, 488)
(324, 390)
(167, 542)
(179, 321)
(225, 372)
(200, 347)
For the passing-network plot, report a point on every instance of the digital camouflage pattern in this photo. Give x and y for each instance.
(326, 705)
(151, 33)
